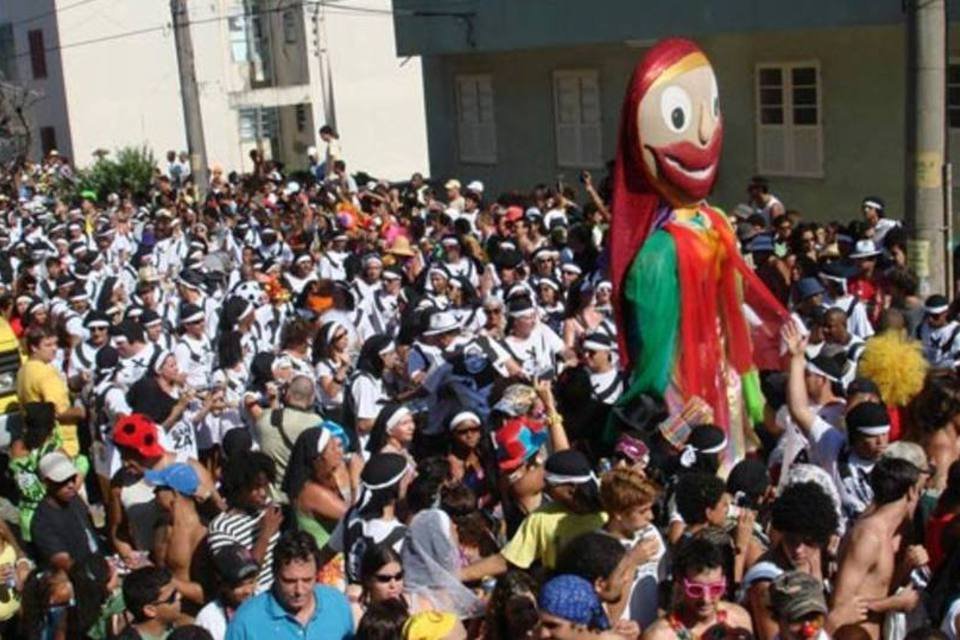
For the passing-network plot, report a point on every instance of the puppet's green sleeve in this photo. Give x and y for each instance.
(652, 314)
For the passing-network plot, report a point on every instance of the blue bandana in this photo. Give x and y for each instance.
(573, 598)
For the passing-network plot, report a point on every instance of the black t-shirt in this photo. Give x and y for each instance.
(58, 529)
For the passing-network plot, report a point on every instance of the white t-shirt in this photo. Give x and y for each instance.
(644, 593)
(538, 353)
(213, 618)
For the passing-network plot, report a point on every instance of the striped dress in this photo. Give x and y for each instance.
(238, 527)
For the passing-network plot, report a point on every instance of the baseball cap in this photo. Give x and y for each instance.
(57, 467)
(139, 433)
(795, 594)
(909, 451)
(234, 564)
(180, 477)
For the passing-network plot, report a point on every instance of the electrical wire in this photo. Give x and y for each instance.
(51, 12)
(335, 8)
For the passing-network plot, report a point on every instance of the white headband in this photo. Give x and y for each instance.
(873, 203)
(324, 440)
(464, 416)
(935, 311)
(877, 430)
(596, 346)
(523, 312)
(817, 371)
(559, 478)
(387, 348)
(397, 416)
(163, 355)
(689, 455)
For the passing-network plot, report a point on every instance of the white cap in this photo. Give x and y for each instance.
(476, 186)
(57, 467)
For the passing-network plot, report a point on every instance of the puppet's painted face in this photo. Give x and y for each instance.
(681, 132)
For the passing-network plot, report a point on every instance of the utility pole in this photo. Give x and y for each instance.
(926, 142)
(192, 117)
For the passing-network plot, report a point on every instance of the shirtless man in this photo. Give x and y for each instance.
(875, 560)
(699, 604)
(179, 533)
(936, 418)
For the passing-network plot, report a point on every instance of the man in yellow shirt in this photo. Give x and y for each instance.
(575, 509)
(39, 381)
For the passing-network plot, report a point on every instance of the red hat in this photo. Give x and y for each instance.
(139, 433)
(517, 440)
(514, 214)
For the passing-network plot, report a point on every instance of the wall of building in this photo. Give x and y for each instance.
(115, 92)
(862, 74)
(378, 98)
(50, 107)
(432, 27)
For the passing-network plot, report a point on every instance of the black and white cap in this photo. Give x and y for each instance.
(520, 306)
(598, 341)
(869, 419)
(96, 320)
(190, 313)
(936, 304)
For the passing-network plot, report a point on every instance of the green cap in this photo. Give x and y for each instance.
(794, 595)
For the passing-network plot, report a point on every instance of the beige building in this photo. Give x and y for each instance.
(270, 73)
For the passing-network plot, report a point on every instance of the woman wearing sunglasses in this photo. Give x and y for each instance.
(471, 457)
(381, 575)
(698, 609)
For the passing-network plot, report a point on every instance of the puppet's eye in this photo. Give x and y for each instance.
(675, 107)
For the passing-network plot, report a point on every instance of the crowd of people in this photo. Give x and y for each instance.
(326, 410)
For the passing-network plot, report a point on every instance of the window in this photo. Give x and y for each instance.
(576, 115)
(257, 123)
(8, 66)
(789, 120)
(290, 26)
(953, 94)
(476, 129)
(301, 115)
(38, 55)
(48, 139)
(239, 48)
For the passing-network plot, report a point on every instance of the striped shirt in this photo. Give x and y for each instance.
(237, 527)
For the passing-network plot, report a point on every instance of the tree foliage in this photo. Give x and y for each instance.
(129, 171)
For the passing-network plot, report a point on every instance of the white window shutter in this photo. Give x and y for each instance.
(772, 150)
(577, 119)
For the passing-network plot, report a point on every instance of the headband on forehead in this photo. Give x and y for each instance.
(159, 359)
(387, 348)
(689, 456)
(397, 417)
(559, 478)
(464, 416)
(875, 430)
(324, 439)
(331, 331)
(817, 371)
(873, 203)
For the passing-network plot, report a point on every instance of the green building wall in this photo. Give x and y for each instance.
(862, 72)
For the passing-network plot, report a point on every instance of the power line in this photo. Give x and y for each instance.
(51, 12)
(326, 5)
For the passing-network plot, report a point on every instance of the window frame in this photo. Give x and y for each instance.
(38, 54)
(952, 61)
(788, 126)
(472, 156)
(580, 162)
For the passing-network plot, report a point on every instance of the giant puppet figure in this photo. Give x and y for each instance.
(679, 279)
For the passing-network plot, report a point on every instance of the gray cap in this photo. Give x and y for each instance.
(795, 594)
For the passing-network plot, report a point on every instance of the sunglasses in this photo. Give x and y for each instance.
(169, 599)
(385, 579)
(494, 311)
(98, 329)
(697, 590)
(467, 430)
